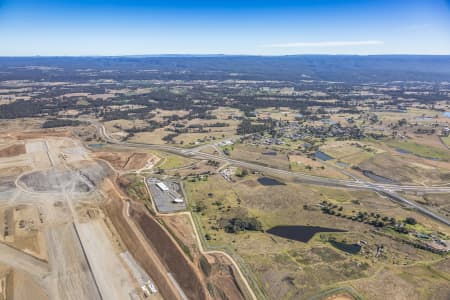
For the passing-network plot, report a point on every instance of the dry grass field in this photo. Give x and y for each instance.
(171, 161)
(446, 141)
(437, 151)
(435, 202)
(283, 113)
(154, 137)
(224, 113)
(304, 164)
(194, 139)
(256, 154)
(288, 269)
(407, 169)
(351, 152)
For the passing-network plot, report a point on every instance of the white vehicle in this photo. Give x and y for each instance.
(178, 200)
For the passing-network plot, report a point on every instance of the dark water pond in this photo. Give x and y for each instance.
(403, 151)
(349, 248)
(269, 181)
(300, 233)
(269, 153)
(376, 177)
(322, 156)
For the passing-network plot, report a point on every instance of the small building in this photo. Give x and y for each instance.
(162, 186)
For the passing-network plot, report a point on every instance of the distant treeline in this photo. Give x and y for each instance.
(52, 123)
(21, 109)
(339, 68)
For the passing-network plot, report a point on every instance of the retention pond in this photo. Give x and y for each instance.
(269, 181)
(322, 156)
(300, 233)
(349, 248)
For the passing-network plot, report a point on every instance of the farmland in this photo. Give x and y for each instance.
(290, 269)
(285, 179)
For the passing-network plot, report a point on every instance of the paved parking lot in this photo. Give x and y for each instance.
(164, 200)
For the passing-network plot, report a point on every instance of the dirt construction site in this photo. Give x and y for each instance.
(54, 240)
(68, 232)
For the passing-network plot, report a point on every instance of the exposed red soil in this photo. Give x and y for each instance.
(12, 150)
(219, 273)
(222, 276)
(114, 209)
(125, 161)
(181, 227)
(177, 262)
(137, 161)
(40, 134)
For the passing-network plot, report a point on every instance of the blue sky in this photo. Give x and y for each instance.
(120, 27)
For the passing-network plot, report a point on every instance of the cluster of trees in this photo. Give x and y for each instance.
(21, 109)
(213, 163)
(52, 123)
(170, 137)
(198, 177)
(198, 207)
(218, 124)
(152, 125)
(131, 114)
(241, 172)
(374, 219)
(247, 127)
(236, 225)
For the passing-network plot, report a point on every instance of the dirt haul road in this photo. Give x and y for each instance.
(24, 262)
(138, 246)
(111, 276)
(72, 279)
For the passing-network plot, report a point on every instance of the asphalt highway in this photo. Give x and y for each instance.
(388, 190)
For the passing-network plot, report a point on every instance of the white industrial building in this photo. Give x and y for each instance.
(162, 186)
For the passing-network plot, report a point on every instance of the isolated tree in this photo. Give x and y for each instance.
(410, 221)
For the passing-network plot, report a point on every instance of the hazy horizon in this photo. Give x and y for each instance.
(216, 55)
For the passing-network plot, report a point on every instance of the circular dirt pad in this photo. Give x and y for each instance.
(54, 180)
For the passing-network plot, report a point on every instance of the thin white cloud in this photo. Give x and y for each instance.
(416, 27)
(326, 44)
